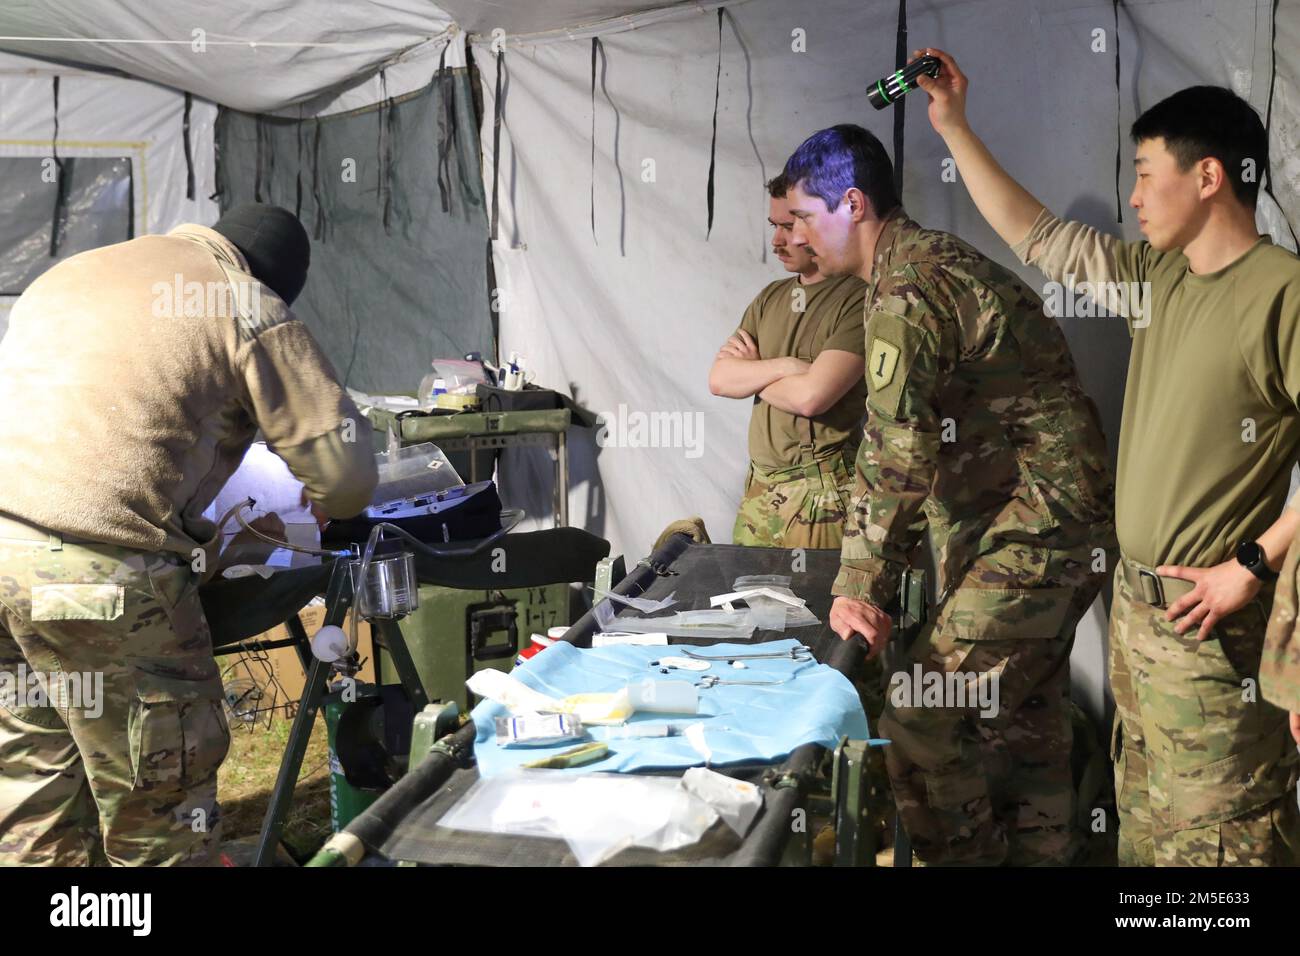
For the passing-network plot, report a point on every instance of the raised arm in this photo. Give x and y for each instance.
(1007, 206)
(1064, 251)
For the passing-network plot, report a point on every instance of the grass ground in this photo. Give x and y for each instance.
(247, 777)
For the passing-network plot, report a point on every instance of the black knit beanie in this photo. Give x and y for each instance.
(273, 241)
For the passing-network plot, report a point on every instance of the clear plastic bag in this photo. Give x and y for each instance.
(457, 377)
(597, 814)
(795, 616)
(747, 581)
(721, 625)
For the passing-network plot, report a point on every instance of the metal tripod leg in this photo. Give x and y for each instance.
(912, 616)
(291, 764)
(395, 644)
(338, 597)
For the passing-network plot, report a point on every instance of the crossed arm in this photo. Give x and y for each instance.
(790, 384)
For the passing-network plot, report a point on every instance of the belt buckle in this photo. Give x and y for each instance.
(1154, 592)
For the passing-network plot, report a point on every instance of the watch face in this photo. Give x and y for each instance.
(1250, 554)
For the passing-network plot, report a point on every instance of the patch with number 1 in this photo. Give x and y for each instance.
(882, 360)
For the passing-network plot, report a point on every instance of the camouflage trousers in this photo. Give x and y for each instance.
(978, 714)
(1279, 666)
(111, 718)
(1205, 770)
(800, 506)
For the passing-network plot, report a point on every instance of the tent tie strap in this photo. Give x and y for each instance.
(496, 145)
(595, 48)
(713, 145)
(900, 107)
(61, 188)
(1119, 137)
(185, 140)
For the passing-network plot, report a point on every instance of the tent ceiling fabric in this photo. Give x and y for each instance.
(304, 47)
(534, 16)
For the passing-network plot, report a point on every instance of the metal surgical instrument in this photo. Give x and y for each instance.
(710, 680)
(801, 653)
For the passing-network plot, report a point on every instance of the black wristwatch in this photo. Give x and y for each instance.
(1251, 556)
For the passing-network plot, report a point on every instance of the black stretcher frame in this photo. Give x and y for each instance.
(785, 785)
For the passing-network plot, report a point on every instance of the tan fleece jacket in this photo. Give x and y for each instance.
(134, 377)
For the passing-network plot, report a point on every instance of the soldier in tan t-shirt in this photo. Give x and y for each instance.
(799, 355)
(133, 378)
(1205, 769)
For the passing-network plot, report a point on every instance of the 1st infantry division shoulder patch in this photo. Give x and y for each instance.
(882, 360)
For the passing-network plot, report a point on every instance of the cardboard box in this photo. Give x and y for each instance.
(286, 668)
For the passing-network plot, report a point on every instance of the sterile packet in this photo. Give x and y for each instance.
(736, 801)
(619, 639)
(747, 581)
(663, 696)
(538, 730)
(603, 708)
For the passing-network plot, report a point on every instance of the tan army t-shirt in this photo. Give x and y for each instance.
(1210, 424)
(831, 318)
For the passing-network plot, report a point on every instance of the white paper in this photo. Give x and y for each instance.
(511, 693)
(617, 638)
(248, 570)
(785, 597)
(597, 814)
(736, 801)
(694, 735)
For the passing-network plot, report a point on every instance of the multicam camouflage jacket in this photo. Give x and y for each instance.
(976, 422)
(1279, 666)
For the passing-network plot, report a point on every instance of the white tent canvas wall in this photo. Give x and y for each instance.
(107, 119)
(608, 276)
